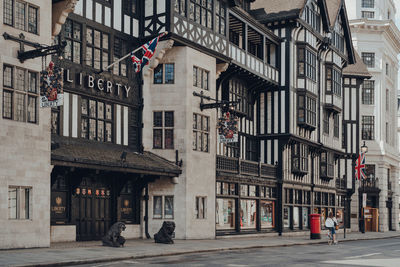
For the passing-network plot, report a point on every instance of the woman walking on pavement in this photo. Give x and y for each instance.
(331, 224)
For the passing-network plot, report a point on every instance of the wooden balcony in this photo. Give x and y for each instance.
(245, 167)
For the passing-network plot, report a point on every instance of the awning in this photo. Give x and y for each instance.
(102, 156)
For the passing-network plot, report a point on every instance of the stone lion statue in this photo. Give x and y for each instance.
(113, 237)
(164, 235)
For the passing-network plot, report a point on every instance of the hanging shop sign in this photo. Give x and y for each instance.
(227, 128)
(51, 87)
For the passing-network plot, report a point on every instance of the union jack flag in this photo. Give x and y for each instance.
(360, 167)
(149, 50)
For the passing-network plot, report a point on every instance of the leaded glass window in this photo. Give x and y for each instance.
(200, 11)
(368, 127)
(97, 48)
(96, 120)
(163, 129)
(368, 92)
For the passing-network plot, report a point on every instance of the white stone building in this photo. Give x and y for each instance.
(377, 40)
(24, 135)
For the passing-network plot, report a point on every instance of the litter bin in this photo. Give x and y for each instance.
(315, 226)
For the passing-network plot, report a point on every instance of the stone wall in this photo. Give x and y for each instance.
(25, 148)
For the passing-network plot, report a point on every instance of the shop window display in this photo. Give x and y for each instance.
(248, 214)
(267, 214)
(340, 216)
(225, 214)
(305, 217)
(296, 217)
(286, 217)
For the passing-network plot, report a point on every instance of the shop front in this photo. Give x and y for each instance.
(296, 209)
(91, 188)
(245, 208)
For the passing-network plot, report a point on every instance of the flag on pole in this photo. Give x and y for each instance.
(360, 167)
(149, 50)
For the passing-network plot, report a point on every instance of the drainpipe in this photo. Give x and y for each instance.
(146, 212)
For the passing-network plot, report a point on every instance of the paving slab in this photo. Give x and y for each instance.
(73, 253)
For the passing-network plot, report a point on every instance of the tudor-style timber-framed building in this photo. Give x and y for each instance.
(308, 138)
(101, 173)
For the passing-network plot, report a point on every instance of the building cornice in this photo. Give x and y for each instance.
(386, 26)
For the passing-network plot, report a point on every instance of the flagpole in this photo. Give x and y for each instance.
(127, 55)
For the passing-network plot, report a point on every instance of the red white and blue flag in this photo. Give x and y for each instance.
(360, 167)
(149, 50)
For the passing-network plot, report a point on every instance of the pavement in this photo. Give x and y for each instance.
(74, 253)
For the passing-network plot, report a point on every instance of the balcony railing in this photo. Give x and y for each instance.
(240, 166)
(370, 183)
(242, 57)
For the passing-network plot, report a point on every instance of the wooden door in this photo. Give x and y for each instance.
(93, 211)
(368, 219)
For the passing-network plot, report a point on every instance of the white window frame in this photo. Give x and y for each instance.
(21, 204)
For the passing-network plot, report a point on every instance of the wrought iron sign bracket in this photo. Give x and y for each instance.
(40, 51)
(217, 104)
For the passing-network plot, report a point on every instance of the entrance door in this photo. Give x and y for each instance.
(92, 202)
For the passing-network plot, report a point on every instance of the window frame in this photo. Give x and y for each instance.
(325, 120)
(220, 17)
(327, 162)
(26, 92)
(333, 80)
(91, 46)
(201, 78)
(23, 204)
(368, 92)
(198, 17)
(299, 153)
(203, 131)
(201, 200)
(369, 59)
(368, 128)
(27, 8)
(367, 14)
(162, 68)
(164, 128)
(307, 58)
(367, 3)
(336, 125)
(309, 110)
(88, 117)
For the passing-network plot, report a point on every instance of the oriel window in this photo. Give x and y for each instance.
(180, 7)
(220, 18)
(307, 61)
(333, 81)
(327, 165)
(299, 158)
(201, 12)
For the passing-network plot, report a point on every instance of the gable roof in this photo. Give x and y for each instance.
(333, 7)
(357, 69)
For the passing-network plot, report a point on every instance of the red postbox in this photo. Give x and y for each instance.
(315, 226)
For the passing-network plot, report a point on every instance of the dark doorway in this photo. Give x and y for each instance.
(91, 206)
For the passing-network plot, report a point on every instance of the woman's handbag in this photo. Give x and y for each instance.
(336, 227)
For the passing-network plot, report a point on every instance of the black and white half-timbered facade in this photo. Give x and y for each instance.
(312, 130)
(100, 170)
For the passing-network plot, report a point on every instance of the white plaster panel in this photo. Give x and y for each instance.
(118, 131)
(127, 24)
(74, 115)
(107, 16)
(117, 14)
(148, 6)
(283, 115)
(125, 126)
(276, 111)
(79, 8)
(135, 27)
(99, 13)
(66, 114)
(89, 9)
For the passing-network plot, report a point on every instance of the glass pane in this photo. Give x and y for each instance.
(68, 50)
(199, 144)
(169, 207)
(169, 73)
(157, 138)
(169, 139)
(84, 128)
(267, 214)
(84, 106)
(89, 56)
(54, 122)
(32, 20)
(89, 35)
(32, 100)
(32, 82)
(100, 110)
(77, 52)
(248, 214)
(157, 207)
(105, 41)
(7, 76)
(225, 214)
(252, 190)
(195, 76)
(20, 107)
(108, 134)
(97, 59)
(205, 142)
(20, 15)
(158, 74)
(68, 29)
(100, 131)
(169, 119)
(92, 129)
(12, 203)
(194, 144)
(20, 79)
(105, 59)
(97, 37)
(157, 119)
(108, 112)
(92, 108)
(244, 190)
